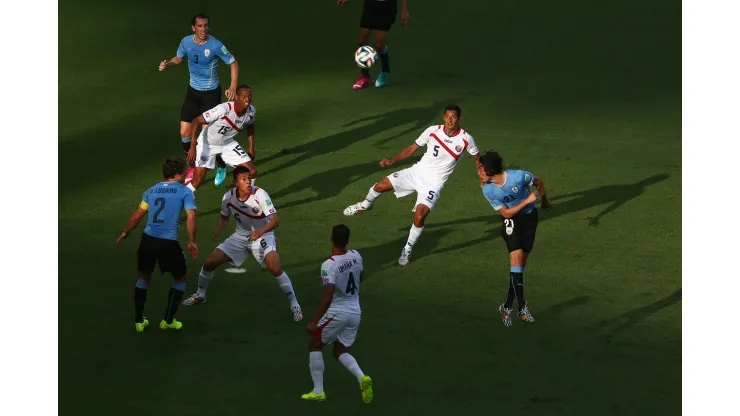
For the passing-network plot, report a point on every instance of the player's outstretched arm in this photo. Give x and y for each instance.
(250, 138)
(405, 153)
(545, 203)
(133, 221)
(168, 64)
(507, 212)
(231, 92)
(192, 247)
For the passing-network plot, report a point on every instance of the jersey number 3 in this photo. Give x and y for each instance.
(351, 285)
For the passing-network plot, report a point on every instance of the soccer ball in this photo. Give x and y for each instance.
(365, 57)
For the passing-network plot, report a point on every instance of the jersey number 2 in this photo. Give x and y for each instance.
(351, 285)
(159, 203)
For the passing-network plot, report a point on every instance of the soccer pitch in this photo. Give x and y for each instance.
(585, 95)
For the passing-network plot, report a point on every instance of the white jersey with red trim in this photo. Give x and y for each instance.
(250, 214)
(443, 153)
(224, 123)
(343, 272)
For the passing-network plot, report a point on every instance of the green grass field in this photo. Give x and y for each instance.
(586, 95)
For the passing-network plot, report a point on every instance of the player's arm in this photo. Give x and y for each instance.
(405, 153)
(223, 221)
(545, 203)
(231, 92)
(326, 299)
(250, 138)
(507, 212)
(190, 210)
(405, 17)
(134, 220)
(272, 223)
(169, 64)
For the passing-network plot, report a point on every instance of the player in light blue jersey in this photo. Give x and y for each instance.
(162, 204)
(508, 192)
(203, 53)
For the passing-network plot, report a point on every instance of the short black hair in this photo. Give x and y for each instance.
(455, 107)
(242, 86)
(492, 163)
(199, 16)
(340, 235)
(172, 166)
(239, 170)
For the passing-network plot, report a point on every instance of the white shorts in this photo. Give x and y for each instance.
(238, 245)
(232, 153)
(408, 180)
(338, 326)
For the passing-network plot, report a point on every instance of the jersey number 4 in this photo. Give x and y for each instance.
(159, 203)
(351, 285)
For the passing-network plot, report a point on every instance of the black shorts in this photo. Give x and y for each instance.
(378, 15)
(519, 231)
(167, 253)
(198, 102)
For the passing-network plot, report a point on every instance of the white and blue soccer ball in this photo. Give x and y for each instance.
(365, 57)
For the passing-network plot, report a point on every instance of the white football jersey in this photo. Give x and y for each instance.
(344, 273)
(250, 214)
(224, 123)
(443, 153)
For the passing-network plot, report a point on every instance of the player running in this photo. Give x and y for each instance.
(223, 122)
(159, 240)
(508, 193)
(445, 144)
(338, 316)
(378, 16)
(204, 92)
(256, 218)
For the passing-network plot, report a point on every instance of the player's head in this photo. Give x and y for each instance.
(242, 179)
(200, 25)
(174, 168)
(340, 236)
(243, 95)
(491, 164)
(452, 116)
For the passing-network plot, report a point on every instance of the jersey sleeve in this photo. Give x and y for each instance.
(188, 201)
(144, 204)
(472, 147)
(492, 198)
(225, 55)
(181, 51)
(215, 113)
(528, 178)
(225, 210)
(266, 204)
(424, 137)
(327, 273)
(252, 114)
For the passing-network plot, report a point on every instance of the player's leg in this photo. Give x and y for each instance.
(265, 252)
(146, 259)
(399, 182)
(382, 49)
(142, 286)
(173, 261)
(528, 229)
(205, 159)
(188, 112)
(364, 37)
(316, 360)
(345, 340)
(235, 155)
(426, 197)
(232, 250)
(209, 100)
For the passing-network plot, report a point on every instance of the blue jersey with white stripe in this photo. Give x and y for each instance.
(512, 193)
(164, 201)
(203, 61)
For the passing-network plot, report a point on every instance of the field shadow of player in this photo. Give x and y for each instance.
(614, 195)
(621, 322)
(421, 117)
(385, 255)
(330, 183)
(560, 307)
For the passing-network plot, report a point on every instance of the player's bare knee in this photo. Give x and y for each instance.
(184, 129)
(517, 258)
(364, 37)
(276, 271)
(145, 278)
(379, 43)
(383, 186)
(339, 349)
(314, 344)
(420, 215)
(182, 279)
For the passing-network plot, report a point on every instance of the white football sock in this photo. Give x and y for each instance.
(287, 287)
(413, 236)
(204, 278)
(370, 198)
(316, 363)
(351, 364)
(191, 187)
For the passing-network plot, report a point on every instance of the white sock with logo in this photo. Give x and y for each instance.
(316, 364)
(414, 234)
(370, 198)
(287, 287)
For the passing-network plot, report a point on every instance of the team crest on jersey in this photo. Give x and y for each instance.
(207, 53)
(515, 189)
(204, 158)
(255, 210)
(395, 175)
(458, 148)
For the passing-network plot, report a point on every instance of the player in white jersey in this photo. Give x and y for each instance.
(338, 316)
(256, 218)
(445, 145)
(222, 123)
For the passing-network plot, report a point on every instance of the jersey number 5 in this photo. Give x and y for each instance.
(159, 203)
(351, 285)
(436, 150)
